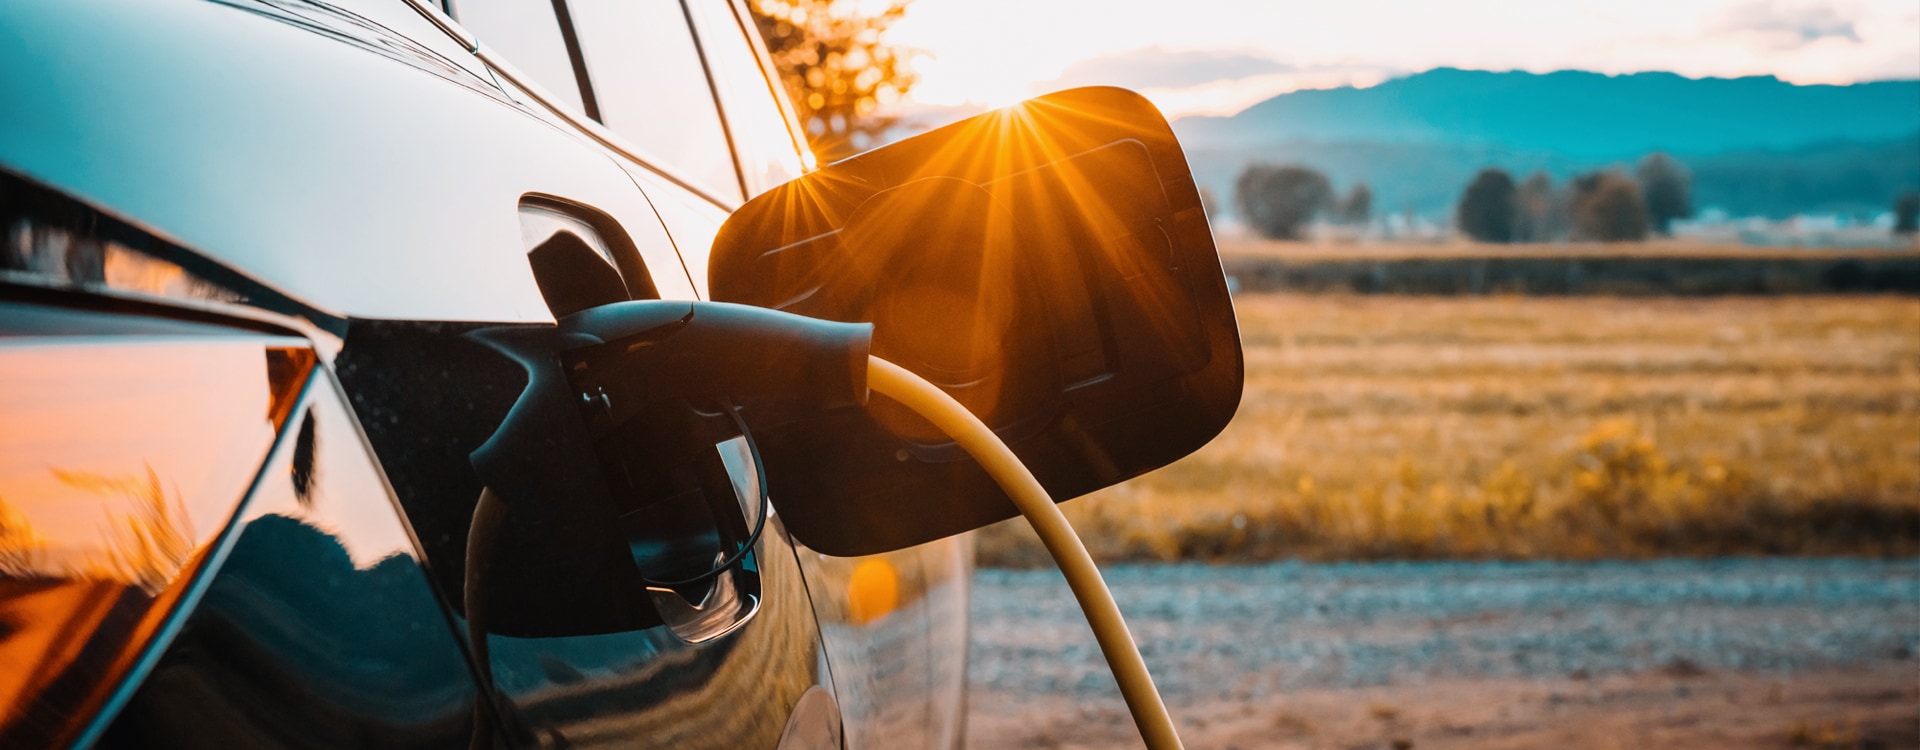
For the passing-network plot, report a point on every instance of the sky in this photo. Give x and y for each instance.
(1220, 56)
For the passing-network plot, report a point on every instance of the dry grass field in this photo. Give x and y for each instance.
(1527, 427)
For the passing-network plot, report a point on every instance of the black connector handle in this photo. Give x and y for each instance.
(778, 366)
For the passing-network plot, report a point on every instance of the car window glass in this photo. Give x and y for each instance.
(652, 88)
(528, 35)
(768, 154)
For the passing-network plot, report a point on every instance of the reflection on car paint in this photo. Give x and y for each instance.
(894, 689)
(58, 256)
(319, 629)
(99, 538)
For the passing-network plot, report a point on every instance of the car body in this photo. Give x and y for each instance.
(197, 550)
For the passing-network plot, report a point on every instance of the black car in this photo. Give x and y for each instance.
(350, 393)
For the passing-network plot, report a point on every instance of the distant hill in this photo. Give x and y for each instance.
(1757, 145)
(1576, 113)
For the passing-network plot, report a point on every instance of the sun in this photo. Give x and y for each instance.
(949, 83)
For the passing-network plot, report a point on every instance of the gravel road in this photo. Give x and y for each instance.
(1245, 635)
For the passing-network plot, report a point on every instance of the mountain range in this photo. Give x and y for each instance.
(1756, 145)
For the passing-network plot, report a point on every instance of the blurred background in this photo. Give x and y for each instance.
(1583, 367)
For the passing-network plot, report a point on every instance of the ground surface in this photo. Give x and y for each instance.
(1674, 653)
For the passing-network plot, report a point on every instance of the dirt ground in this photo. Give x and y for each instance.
(1865, 706)
(1710, 653)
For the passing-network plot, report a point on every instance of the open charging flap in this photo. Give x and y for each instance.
(1048, 264)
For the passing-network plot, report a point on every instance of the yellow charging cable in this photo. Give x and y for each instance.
(1136, 686)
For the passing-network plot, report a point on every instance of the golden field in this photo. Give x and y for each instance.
(1535, 427)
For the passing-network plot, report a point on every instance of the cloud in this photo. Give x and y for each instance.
(1154, 67)
(1793, 25)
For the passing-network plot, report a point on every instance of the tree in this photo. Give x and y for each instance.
(1668, 188)
(1487, 209)
(1608, 207)
(1906, 213)
(1357, 207)
(838, 67)
(1278, 201)
(1540, 213)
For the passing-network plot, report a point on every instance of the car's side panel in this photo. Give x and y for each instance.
(693, 222)
(894, 627)
(358, 183)
(319, 628)
(645, 688)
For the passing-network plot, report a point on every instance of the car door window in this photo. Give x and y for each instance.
(768, 152)
(528, 35)
(653, 90)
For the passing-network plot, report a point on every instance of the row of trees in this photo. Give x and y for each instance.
(1608, 206)
(1279, 201)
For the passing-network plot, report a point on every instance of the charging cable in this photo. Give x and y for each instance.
(1123, 657)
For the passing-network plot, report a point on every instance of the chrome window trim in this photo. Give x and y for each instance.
(438, 17)
(579, 121)
(777, 87)
(719, 103)
(597, 131)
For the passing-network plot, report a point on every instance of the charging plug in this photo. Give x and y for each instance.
(606, 469)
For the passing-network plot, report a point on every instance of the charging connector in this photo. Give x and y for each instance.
(1109, 629)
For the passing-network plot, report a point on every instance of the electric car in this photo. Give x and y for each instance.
(385, 373)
